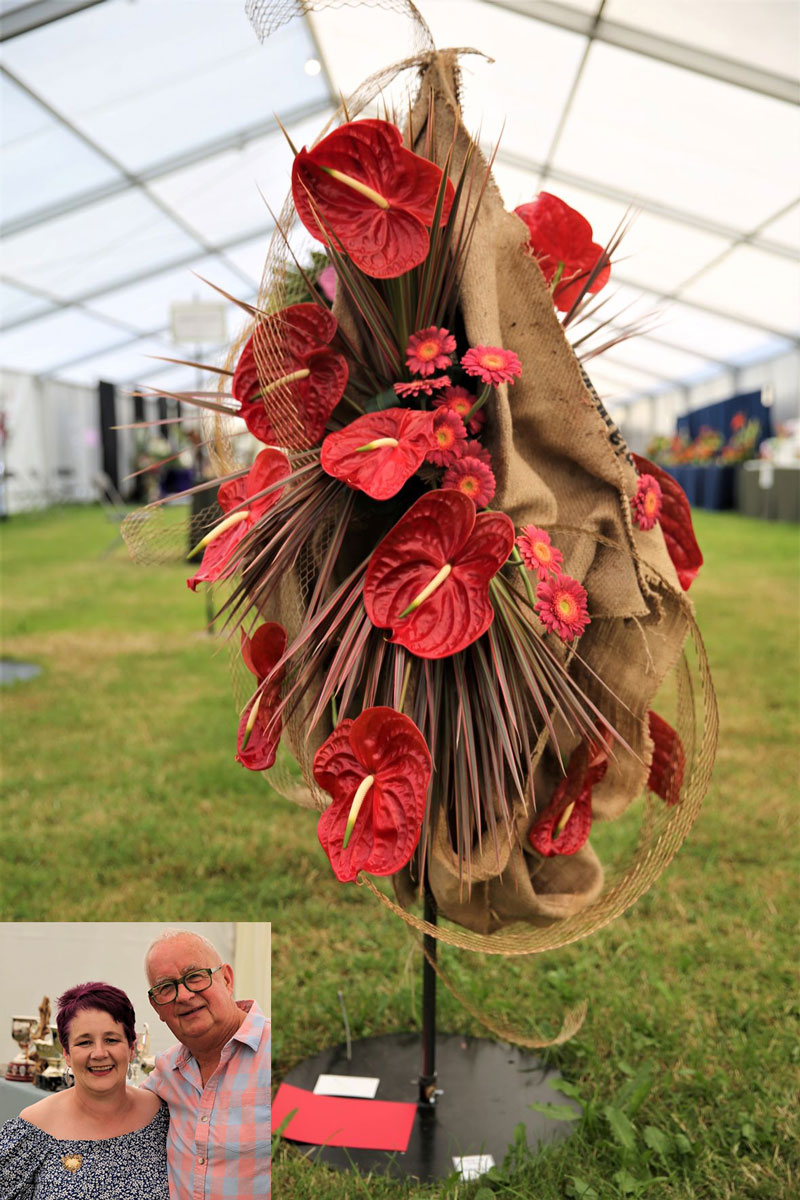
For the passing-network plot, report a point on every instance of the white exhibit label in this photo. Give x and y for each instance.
(360, 1086)
(472, 1166)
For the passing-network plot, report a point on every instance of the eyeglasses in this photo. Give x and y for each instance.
(196, 980)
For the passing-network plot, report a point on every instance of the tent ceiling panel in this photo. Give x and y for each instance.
(43, 163)
(137, 166)
(16, 304)
(707, 333)
(168, 76)
(53, 339)
(145, 306)
(785, 229)
(751, 283)
(124, 364)
(763, 33)
(658, 360)
(659, 130)
(103, 243)
(232, 193)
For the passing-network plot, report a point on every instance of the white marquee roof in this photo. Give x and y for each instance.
(140, 144)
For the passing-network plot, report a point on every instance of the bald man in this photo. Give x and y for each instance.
(217, 1081)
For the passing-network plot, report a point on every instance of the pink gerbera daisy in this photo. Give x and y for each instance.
(450, 437)
(492, 364)
(461, 401)
(422, 387)
(473, 478)
(561, 605)
(538, 552)
(429, 351)
(646, 504)
(476, 450)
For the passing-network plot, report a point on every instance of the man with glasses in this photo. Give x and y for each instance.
(216, 1082)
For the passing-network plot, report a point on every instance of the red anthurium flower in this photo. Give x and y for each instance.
(377, 768)
(257, 738)
(669, 760)
(306, 377)
(560, 240)
(676, 523)
(428, 580)
(379, 452)
(269, 467)
(565, 824)
(377, 199)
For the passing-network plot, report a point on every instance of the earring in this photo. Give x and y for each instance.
(67, 1077)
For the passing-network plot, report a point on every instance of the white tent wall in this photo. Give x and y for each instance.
(47, 959)
(52, 451)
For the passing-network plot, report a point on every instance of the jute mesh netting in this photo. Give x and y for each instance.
(561, 464)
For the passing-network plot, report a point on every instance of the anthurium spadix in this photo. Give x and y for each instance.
(288, 381)
(361, 187)
(259, 731)
(377, 769)
(379, 452)
(428, 580)
(243, 496)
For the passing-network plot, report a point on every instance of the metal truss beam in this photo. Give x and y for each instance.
(27, 17)
(677, 54)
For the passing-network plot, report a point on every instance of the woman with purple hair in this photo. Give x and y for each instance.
(100, 1139)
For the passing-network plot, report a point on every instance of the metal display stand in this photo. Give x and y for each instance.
(471, 1093)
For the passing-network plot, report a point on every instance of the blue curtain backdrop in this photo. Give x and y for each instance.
(713, 486)
(718, 416)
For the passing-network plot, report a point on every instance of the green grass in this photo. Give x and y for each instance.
(122, 801)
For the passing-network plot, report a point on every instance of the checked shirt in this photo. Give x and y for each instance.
(219, 1135)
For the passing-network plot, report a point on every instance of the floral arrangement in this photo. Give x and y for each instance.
(743, 441)
(419, 641)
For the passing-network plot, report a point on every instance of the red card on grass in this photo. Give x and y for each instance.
(340, 1121)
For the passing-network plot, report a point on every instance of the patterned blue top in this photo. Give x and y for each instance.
(36, 1166)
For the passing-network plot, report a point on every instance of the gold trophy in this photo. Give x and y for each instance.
(21, 1068)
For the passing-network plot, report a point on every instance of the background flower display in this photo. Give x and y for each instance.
(454, 555)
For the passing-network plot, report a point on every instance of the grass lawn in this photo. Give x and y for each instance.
(121, 800)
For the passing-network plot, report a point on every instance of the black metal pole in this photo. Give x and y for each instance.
(427, 1080)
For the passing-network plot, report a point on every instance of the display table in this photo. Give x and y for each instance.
(769, 490)
(16, 1096)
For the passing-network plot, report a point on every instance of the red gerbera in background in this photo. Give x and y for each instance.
(538, 552)
(449, 436)
(646, 504)
(461, 401)
(492, 364)
(422, 387)
(429, 351)
(560, 240)
(472, 478)
(561, 605)
(376, 198)
(377, 768)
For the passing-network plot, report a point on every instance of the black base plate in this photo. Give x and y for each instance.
(486, 1091)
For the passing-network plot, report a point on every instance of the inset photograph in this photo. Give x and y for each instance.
(141, 1069)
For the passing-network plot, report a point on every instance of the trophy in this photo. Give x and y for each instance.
(21, 1068)
(50, 1076)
